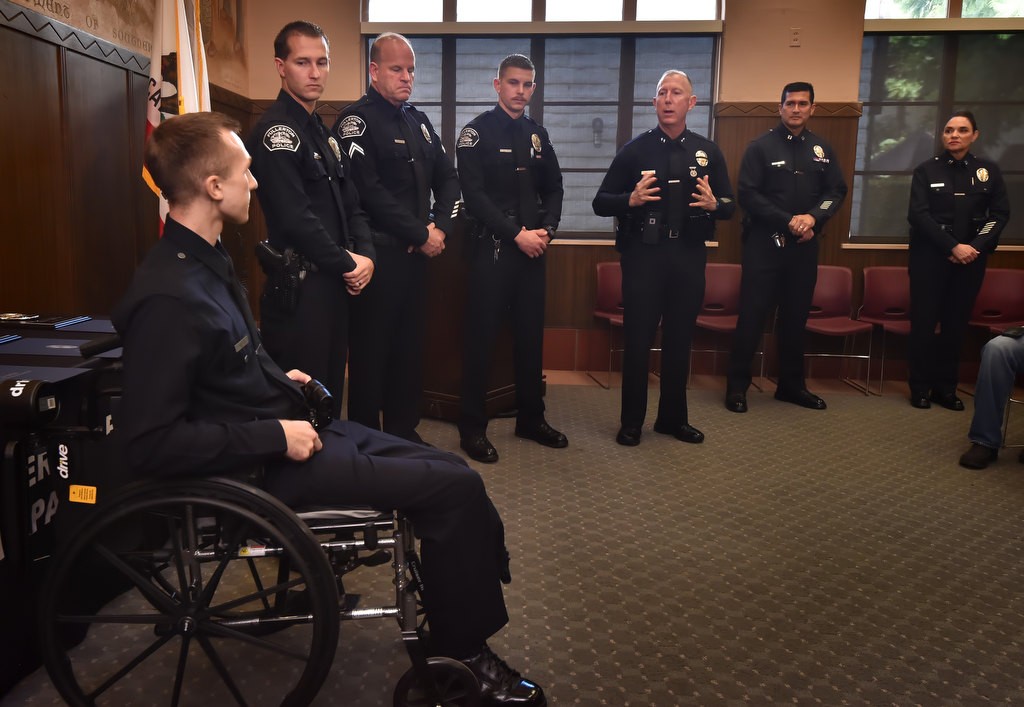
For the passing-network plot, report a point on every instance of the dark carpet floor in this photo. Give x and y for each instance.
(799, 557)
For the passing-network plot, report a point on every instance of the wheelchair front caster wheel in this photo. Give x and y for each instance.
(455, 685)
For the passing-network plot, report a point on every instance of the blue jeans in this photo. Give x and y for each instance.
(1001, 360)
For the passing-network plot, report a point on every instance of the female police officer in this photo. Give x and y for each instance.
(958, 208)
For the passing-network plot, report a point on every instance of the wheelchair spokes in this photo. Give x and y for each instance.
(227, 597)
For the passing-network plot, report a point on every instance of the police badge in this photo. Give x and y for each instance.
(982, 174)
(535, 141)
(334, 147)
(702, 158)
(426, 133)
(818, 152)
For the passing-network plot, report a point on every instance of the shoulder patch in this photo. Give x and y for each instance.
(469, 137)
(351, 126)
(281, 137)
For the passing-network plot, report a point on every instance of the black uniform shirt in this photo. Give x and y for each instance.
(653, 150)
(488, 149)
(200, 393)
(302, 178)
(783, 175)
(968, 197)
(397, 160)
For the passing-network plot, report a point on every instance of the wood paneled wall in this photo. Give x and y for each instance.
(74, 212)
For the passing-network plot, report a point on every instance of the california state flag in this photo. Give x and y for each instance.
(178, 81)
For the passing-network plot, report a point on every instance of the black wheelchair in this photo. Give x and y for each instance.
(222, 594)
(209, 590)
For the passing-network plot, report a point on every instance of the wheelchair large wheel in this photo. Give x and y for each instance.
(227, 599)
(456, 686)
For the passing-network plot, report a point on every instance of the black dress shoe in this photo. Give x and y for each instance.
(628, 436)
(736, 402)
(948, 401)
(479, 448)
(804, 398)
(501, 685)
(920, 400)
(683, 432)
(543, 433)
(978, 456)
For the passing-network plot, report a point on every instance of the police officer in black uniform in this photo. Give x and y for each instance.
(958, 208)
(397, 160)
(312, 211)
(790, 185)
(666, 187)
(512, 187)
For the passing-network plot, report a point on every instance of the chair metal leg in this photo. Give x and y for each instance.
(1011, 401)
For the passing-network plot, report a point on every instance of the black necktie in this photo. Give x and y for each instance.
(241, 299)
(529, 212)
(961, 212)
(676, 198)
(416, 161)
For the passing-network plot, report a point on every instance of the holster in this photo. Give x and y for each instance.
(285, 272)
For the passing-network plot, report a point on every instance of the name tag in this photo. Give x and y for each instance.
(673, 181)
(399, 141)
(242, 343)
(503, 149)
(781, 163)
(937, 185)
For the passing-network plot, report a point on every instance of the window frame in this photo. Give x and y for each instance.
(944, 104)
(622, 100)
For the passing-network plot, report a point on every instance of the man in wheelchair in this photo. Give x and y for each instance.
(202, 397)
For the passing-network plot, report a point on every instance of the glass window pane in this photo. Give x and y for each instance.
(490, 11)
(476, 65)
(901, 68)
(574, 10)
(405, 11)
(904, 9)
(895, 138)
(880, 207)
(984, 61)
(583, 136)
(1000, 135)
(689, 10)
(1014, 231)
(993, 8)
(655, 55)
(582, 69)
(427, 84)
(577, 209)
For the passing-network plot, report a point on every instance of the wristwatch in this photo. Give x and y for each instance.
(551, 232)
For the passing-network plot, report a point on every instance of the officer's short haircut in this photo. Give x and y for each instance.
(796, 87)
(386, 37)
(300, 27)
(186, 149)
(673, 72)
(516, 61)
(970, 118)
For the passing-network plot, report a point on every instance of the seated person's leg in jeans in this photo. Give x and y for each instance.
(1002, 359)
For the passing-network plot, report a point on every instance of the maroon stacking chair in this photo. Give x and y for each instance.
(720, 310)
(830, 316)
(608, 307)
(1000, 303)
(886, 305)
